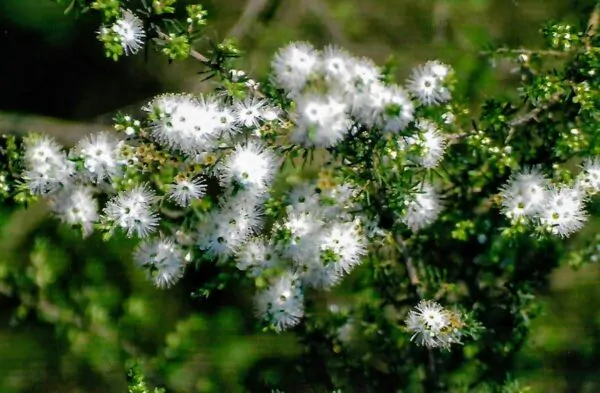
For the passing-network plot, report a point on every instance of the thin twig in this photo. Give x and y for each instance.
(415, 283)
(320, 9)
(249, 16)
(531, 115)
(413, 274)
(527, 52)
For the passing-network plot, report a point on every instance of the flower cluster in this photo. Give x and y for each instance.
(194, 178)
(69, 181)
(530, 197)
(334, 89)
(434, 326)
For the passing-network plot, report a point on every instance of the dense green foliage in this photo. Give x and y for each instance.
(96, 313)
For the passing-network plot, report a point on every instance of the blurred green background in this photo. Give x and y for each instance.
(72, 310)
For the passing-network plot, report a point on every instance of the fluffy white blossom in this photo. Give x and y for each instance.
(304, 198)
(249, 113)
(315, 274)
(185, 123)
(130, 32)
(293, 65)
(300, 235)
(255, 256)
(337, 66)
(47, 166)
(163, 259)
(227, 228)
(433, 326)
(132, 211)
(388, 107)
(100, 155)
(251, 166)
(525, 194)
(589, 178)
(430, 142)
(422, 208)
(563, 212)
(427, 83)
(320, 121)
(343, 243)
(76, 205)
(282, 303)
(184, 191)
(364, 74)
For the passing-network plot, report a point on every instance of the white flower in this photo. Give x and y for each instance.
(301, 233)
(42, 149)
(431, 144)
(182, 122)
(163, 259)
(422, 208)
(564, 212)
(271, 113)
(76, 205)
(320, 121)
(304, 198)
(184, 191)
(439, 69)
(132, 211)
(427, 83)
(589, 178)
(433, 326)
(47, 166)
(525, 194)
(256, 256)
(226, 120)
(388, 107)
(337, 66)
(226, 229)
(251, 166)
(293, 65)
(281, 304)
(364, 74)
(315, 274)
(130, 31)
(344, 245)
(249, 113)
(100, 155)
(237, 75)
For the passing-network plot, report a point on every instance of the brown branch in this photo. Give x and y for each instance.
(251, 12)
(594, 20)
(527, 52)
(411, 270)
(415, 282)
(531, 115)
(64, 131)
(320, 9)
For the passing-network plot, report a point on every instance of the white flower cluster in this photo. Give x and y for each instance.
(219, 140)
(422, 207)
(334, 90)
(50, 172)
(195, 125)
(434, 326)
(315, 245)
(529, 197)
(335, 93)
(163, 259)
